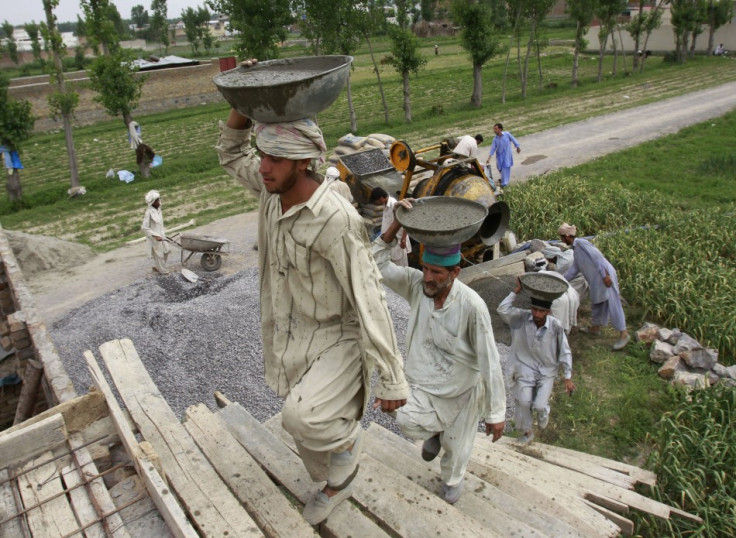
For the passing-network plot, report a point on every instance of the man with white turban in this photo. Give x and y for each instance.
(603, 281)
(153, 229)
(332, 177)
(324, 319)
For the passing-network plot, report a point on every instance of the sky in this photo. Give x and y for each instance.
(20, 12)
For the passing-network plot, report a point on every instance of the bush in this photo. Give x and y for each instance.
(694, 459)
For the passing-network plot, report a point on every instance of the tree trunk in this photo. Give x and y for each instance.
(615, 50)
(15, 191)
(476, 98)
(378, 76)
(623, 49)
(71, 151)
(637, 37)
(601, 53)
(539, 64)
(576, 55)
(407, 98)
(353, 122)
(692, 45)
(711, 38)
(524, 79)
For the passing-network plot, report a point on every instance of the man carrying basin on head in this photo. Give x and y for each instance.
(452, 364)
(324, 320)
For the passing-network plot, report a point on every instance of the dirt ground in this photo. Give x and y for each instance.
(59, 291)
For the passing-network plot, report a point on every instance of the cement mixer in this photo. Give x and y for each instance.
(431, 171)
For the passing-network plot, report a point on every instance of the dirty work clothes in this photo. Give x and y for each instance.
(399, 256)
(319, 286)
(153, 224)
(535, 358)
(594, 266)
(467, 145)
(341, 188)
(452, 365)
(565, 259)
(501, 146)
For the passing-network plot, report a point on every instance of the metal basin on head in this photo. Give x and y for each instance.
(548, 286)
(442, 221)
(285, 90)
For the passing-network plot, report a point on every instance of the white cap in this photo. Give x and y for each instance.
(332, 173)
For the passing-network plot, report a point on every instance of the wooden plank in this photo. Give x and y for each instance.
(484, 502)
(213, 508)
(99, 495)
(54, 517)
(23, 444)
(581, 484)
(511, 264)
(81, 502)
(159, 491)
(8, 507)
(273, 512)
(535, 488)
(282, 464)
(638, 474)
(548, 454)
(625, 524)
(399, 502)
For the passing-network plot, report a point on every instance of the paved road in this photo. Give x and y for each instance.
(564, 146)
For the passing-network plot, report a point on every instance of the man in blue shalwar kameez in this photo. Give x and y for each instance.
(501, 146)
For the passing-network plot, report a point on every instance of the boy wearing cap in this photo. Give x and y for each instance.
(452, 364)
(538, 349)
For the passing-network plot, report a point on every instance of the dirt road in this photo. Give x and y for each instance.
(567, 145)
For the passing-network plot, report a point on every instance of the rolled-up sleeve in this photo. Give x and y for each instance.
(239, 159)
(399, 279)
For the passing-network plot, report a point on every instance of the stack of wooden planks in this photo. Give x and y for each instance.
(220, 472)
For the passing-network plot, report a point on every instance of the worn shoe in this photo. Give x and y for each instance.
(431, 447)
(526, 438)
(320, 506)
(452, 493)
(621, 343)
(589, 330)
(543, 420)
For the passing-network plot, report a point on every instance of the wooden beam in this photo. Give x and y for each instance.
(212, 507)
(286, 467)
(273, 512)
(9, 507)
(23, 444)
(625, 524)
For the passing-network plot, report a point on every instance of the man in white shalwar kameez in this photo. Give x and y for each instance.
(538, 349)
(565, 307)
(452, 364)
(153, 229)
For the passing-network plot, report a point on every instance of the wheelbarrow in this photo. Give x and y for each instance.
(210, 247)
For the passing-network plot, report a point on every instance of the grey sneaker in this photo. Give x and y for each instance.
(621, 342)
(431, 447)
(543, 419)
(320, 506)
(452, 493)
(526, 438)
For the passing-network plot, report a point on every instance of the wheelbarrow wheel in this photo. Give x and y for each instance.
(210, 261)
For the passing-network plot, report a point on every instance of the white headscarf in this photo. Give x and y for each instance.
(293, 140)
(332, 174)
(567, 229)
(551, 252)
(152, 196)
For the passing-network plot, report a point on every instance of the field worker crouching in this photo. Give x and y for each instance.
(538, 349)
(324, 320)
(603, 281)
(153, 229)
(452, 364)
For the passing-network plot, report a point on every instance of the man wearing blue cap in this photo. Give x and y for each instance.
(452, 364)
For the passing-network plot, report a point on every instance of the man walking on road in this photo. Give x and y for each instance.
(603, 281)
(452, 363)
(324, 320)
(501, 146)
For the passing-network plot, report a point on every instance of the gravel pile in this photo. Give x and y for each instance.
(194, 339)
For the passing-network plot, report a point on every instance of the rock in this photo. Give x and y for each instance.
(674, 336)
(689, 379)
(728, 382)
(731, 372)
(664, 334)
(686, 343)
(647, 333)
(704, 358)
(672, 365)
(661, 351)
(720, 370)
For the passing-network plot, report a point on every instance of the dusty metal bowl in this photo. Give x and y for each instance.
(548, 286)
(285, 90)
(442, 220)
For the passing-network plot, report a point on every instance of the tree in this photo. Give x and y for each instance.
(479, 37)
(719, 12)
(190, 18)
(63, 101)
(685, 18)
(581, 12)
(371, 23)
(159, 27)
(32, 29)
(16, 126)
(426, 9)
(10, 45)
(405, 58)
(652, 22)
(261, 25)
(99, 26)
(139, 16)
(535, 11)
(607, 13)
